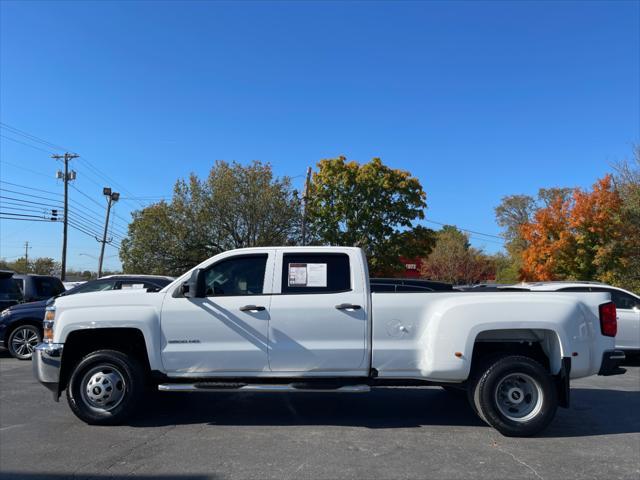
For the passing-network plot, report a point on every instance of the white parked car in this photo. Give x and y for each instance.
(296, 319)
(627, 306)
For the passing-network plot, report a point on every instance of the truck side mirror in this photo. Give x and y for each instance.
(195, 287)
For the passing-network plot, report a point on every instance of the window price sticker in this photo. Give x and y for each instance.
(307, 274)
(297, 274)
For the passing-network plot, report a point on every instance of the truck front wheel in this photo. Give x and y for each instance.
(515, 395)
(105, 387)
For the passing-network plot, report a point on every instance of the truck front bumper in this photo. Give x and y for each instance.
(611, 360)
(46, 365)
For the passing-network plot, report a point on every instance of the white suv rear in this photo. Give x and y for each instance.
(627, 305)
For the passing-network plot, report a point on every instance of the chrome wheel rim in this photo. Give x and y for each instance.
(103, 387)
(519, 397)
(24, 341)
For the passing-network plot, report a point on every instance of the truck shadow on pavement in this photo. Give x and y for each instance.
(593, 411)
(67, 476)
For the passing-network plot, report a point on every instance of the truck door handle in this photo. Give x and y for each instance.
(348, 306)
(252, 308)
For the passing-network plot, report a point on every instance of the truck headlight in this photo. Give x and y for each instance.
(49, 317)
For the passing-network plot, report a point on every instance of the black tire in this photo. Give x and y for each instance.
(106, 387)
(23, 340)
(514, 394)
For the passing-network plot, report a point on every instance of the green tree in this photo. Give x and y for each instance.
(250, 207)
(365, 205)
(20, 265)
(513, 212)
(44, 266)
(453, 260)
(235, 206)
(38, 265)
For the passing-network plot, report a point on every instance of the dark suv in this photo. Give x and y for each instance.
(10, 294)
(21, 325)
(38, 287)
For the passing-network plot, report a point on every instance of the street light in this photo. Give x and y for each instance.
(112, 197)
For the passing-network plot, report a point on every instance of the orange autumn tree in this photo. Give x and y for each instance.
(548, 241)
(571, 238)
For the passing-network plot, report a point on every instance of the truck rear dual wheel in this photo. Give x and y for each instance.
(514, 394)
(106, 387)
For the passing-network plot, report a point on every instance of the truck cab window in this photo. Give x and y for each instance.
(315, 273)
(235, 276)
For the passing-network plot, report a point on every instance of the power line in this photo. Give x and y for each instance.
(25, 169)
(485, 239)
(109, 179)
(96, 171)
(86, 220)
(31, 202)
(93, 222)
(90, 234)
(88, 198)
(25, 219)
(31, 188)
(82, 229)
(118, 229)
(30, 136)
(463, 229)
(21, 215)
(82, 226)
(85, 208)
(29, 195)
(85, 217)
(92, 228)
(20, 209)
(21, 203)
(93, 215)
(26, 144)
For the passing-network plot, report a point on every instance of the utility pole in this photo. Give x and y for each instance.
(66, 177)
(305, 198)
(26, 256)
(112, 197)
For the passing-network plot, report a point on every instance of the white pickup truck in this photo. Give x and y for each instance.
(296, 319)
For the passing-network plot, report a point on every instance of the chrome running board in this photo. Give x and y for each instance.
(227, 387)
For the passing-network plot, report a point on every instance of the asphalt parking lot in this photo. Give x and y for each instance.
(390, 433)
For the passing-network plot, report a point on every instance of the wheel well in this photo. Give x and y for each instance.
(531, 349)
(541, 345)
(82, 342)
(20, 323)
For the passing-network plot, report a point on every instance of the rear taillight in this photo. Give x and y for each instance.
(608, 320)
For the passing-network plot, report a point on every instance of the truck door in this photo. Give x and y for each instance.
(319, 312)
(227, 330)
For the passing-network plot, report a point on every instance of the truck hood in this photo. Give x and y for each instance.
(40, 305)
(110, 298)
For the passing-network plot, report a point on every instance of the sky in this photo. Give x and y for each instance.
(477, 99)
